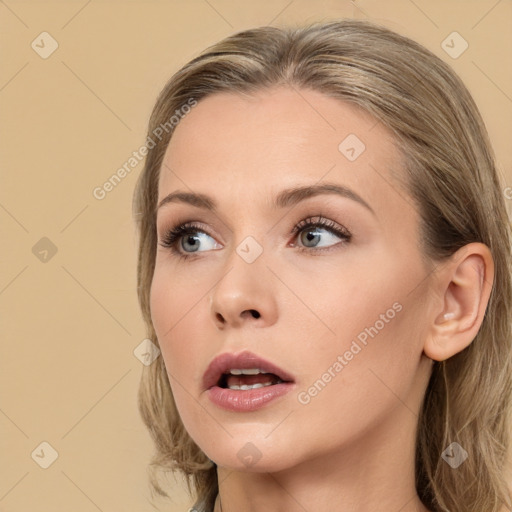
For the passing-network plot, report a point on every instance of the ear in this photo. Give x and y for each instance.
(462, 286)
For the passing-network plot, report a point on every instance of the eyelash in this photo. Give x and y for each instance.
(173, 236)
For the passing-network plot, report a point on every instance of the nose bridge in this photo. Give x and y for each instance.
(245, 292)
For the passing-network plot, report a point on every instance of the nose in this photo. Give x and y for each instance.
(244, 295)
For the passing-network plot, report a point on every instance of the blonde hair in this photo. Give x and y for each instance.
(450, 173)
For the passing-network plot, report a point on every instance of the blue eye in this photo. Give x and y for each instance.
(313, 230)
(191, 238)
(185, 240)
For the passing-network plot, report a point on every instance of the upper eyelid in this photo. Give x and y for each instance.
(310, 220)
(322, 221)
(160, 213)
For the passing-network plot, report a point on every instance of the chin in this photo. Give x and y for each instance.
(266, 464)
(254, 454)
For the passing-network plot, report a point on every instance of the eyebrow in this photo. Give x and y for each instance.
(286, 198)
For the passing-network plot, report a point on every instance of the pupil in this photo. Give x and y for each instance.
(194, 242)
(311, 235)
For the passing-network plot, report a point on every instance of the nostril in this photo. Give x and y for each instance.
(254, 313)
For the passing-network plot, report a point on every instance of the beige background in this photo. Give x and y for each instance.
(70, 324)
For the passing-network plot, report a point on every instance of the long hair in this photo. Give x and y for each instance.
(450, 173)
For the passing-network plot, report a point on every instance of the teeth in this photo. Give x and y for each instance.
(245, 387)
(251, 371)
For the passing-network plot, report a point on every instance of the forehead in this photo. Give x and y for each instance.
(230, 144)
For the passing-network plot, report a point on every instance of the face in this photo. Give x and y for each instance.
(320, 286)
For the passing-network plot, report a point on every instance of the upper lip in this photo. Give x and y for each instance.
(243, 360)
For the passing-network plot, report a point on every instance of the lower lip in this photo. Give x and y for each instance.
(248, 400)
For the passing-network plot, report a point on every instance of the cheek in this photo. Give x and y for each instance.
(343, 400)
(172, 307)
(375, 349)
(339, 302)
(174, 313)
(174, 299)
(179, 312)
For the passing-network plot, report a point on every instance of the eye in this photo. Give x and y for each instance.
(191, 238)
(319, 233)
(314, 233)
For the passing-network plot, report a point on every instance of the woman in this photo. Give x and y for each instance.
(324, 263)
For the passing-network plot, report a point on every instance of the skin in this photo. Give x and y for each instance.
(351, 447)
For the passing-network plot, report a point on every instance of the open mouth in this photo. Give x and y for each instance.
(245, 382)
(242, 372)
(246, 379)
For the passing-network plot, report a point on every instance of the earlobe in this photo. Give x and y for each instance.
(463, 287)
